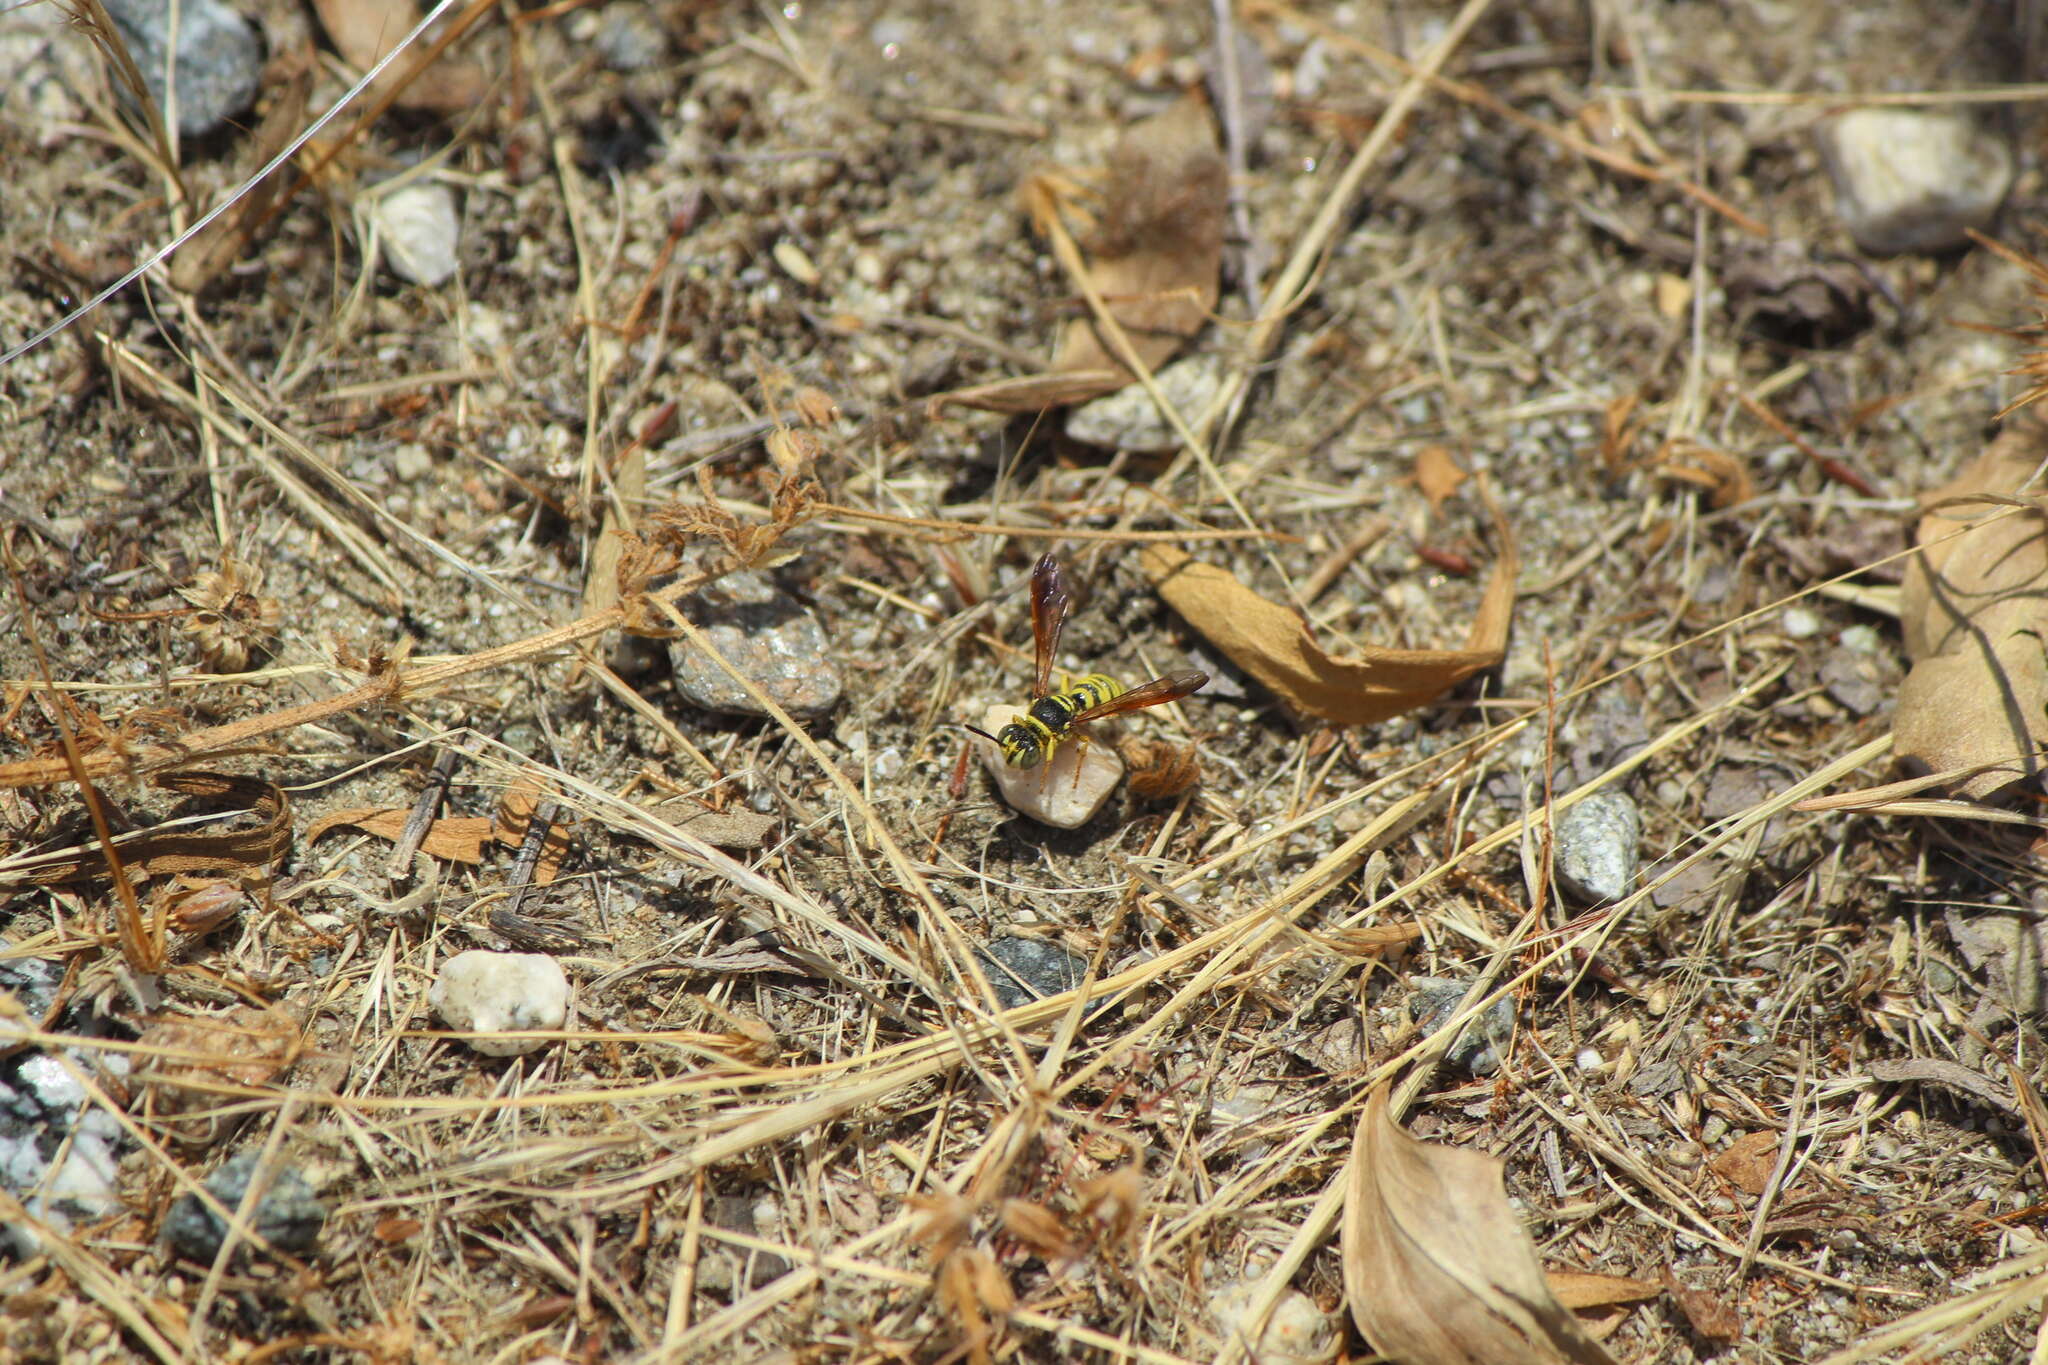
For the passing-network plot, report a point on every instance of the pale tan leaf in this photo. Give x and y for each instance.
(364, 30)
(1437, 475)
(1153, 254)
(1157, 254)
(1272, 643)
(1578, 1289)
(1436, 1269)
(455, 838)
(1972, 614)
(1747, 1162)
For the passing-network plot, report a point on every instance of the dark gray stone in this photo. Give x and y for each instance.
(220, 57)
(1477, 1047)
(289, 1216)
(1021, 970)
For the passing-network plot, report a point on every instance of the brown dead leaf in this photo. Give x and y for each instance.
(1154, 256)
(364, 30)
(1436, 1268)
(1577, 1289)
(247, 850)
(1437, 475)
(1747, 1162)
(455, 838)
(1711, 1316)
(1273, 644)
(1971, 610)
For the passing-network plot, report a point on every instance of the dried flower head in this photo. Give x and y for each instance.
(230, 618)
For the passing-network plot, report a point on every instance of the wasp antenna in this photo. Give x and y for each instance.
(977, 730)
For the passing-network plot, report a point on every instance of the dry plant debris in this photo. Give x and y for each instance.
(1975, 703)
(1436, 1268)
(343, 614)
(1273, 644)
(1153, 250)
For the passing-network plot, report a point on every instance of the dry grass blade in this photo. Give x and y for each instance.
(1977, 694)
(1436, 1269)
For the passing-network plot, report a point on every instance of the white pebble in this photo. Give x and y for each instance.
(1064, 792)
(1296, 1333)
(1800, 623)
(1914, 179)
(486, 992)
(417, 225)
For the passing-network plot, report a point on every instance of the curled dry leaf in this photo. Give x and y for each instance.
(1272, 643)
(1747, 1162)
(455, 838)
(1722, 475)
(1976, 697)
(1154, 255)
(1436, 1268)
(1711, 1316)
(364, 30)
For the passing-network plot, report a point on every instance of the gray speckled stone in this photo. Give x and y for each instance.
(1598, 843)
(289, 1216)
(1477, 1046)
(1129, 420)
(219, 59)
(768, 636)
(1021, 970)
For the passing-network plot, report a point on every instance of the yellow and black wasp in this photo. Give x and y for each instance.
(1053, 717)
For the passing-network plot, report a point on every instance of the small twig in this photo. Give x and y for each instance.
(538, 826)
(399, 864)
(1369, 533)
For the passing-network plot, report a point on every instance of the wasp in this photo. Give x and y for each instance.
(1053, 717)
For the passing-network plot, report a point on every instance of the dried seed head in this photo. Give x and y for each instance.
(817, 407)
(1159, 770)
(231, 619)
(201, 907)
(1038, 1228)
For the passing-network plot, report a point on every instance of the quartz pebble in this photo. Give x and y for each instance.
(417, 226)
(765, 634)
(1129, 420)
(1914, 179)
(288, 1215)
(1296, 1332)
(486, 992)
(220, 57)
(1065, 791)
(1598, 843)
(59, 1151)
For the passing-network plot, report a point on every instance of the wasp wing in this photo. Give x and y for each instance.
(1158, 692)
(1050, 603)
